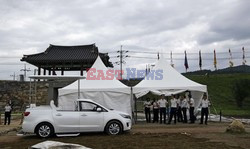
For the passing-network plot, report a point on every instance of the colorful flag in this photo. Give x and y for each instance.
(171, 58)
(215, 61)
(186, 62)
(231, 64)
(243, 58)
(200, 60)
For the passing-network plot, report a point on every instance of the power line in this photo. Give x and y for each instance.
(183, 59)
(180, 53)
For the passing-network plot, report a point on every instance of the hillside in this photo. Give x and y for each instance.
(243, 69)
(221, 95)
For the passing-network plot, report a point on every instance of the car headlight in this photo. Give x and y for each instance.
(126, 116)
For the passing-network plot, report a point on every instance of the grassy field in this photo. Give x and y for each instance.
(221, 93)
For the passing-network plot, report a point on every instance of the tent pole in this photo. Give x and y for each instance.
(35, 90)
(135, 110)
(131, 102)
(30, 93)
(78, 88)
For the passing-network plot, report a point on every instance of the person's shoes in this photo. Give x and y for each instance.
(201, 123)
(205, 123)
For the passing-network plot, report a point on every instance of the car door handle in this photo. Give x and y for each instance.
(58, 114)
(83, 114)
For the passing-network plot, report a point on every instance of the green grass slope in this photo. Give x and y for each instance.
(220, 90)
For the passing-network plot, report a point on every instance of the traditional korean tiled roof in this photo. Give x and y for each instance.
(68, 54)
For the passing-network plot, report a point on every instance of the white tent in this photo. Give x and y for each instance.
(171, 82)
(110, 93)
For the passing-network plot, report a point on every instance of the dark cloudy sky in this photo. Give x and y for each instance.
(29, 26)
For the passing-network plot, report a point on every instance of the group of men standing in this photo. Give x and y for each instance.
(178, 109)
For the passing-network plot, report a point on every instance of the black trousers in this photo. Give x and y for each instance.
(163, 113)
(191, 113)
(172, 113)
(184, 111)
(204, 111)
(179, 114)
(7, 117)
(147, 114)
(156, 115)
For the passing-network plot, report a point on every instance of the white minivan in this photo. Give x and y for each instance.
(88, 116)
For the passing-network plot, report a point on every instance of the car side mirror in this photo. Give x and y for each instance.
(99, 109)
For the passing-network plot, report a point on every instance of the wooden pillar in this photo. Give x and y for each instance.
(44, 72)
(81, 70)
(39, 70)
(54, 70)
(49, 71)
(62, 71)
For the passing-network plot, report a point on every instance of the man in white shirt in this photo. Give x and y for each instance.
(191, 109)
(147, 105)
(173, 105)
(204, 108)
(7, 114)
(184, 106)
(178, 110)
(155, 111)
(162, 104)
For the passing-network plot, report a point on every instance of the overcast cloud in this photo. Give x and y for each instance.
(29, 26)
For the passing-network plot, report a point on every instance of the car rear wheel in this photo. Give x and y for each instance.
(44, 130)
(113, 128)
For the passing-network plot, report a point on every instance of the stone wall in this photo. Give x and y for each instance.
(18, 93)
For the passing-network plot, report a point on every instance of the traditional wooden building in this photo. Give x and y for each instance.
(66, 58)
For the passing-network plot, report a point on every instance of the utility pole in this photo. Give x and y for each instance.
(121, 61)
(14, 76)
(25, 70)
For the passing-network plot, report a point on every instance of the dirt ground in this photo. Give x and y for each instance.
(144, 135)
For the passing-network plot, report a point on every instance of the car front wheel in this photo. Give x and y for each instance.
(113, 128)
(44, 130)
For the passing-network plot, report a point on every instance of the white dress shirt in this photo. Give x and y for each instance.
(162, 103)
(7, 108)
(205, 103)
(173, 102)
(147, 104)
(191, 102)
(184, 103)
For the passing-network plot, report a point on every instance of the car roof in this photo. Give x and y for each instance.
(85, 100)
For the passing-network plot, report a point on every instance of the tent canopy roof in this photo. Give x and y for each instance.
(113, 85)
(171, 81)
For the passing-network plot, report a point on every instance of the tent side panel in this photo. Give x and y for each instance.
(111, 100)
